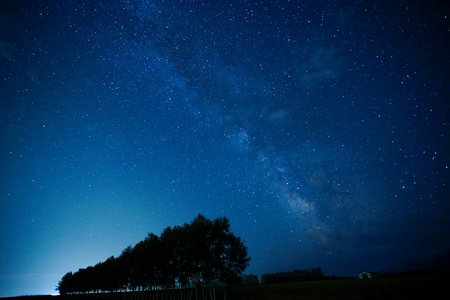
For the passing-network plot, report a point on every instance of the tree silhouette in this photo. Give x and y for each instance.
(65, 285)
(293, 276)
(201, 254)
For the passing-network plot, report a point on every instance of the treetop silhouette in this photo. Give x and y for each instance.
(201, 254)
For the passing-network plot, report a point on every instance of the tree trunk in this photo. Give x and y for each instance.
(211, 293)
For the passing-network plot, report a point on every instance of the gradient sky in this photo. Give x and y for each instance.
(319, 128)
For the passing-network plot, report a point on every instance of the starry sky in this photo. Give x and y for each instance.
(319, 128)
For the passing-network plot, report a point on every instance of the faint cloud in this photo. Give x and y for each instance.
(320, 237)
(323, 64)
(6, 49)
(144, 10)
(25, 276)
(278, 117)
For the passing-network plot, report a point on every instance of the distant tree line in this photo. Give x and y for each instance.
(191, 259)
(249, 280)
(444, 271)
(293, 276)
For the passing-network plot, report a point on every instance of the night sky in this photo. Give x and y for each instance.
(319, 128)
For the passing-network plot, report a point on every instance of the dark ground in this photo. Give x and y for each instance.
(431, 287)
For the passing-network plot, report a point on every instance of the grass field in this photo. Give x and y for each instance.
(380, 288)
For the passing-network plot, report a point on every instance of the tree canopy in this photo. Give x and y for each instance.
(202, 253)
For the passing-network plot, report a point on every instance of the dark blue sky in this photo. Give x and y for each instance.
(319, 128)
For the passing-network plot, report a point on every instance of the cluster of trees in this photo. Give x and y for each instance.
(293, 276)
(444, 271)
(249, 279)
(195, 256)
